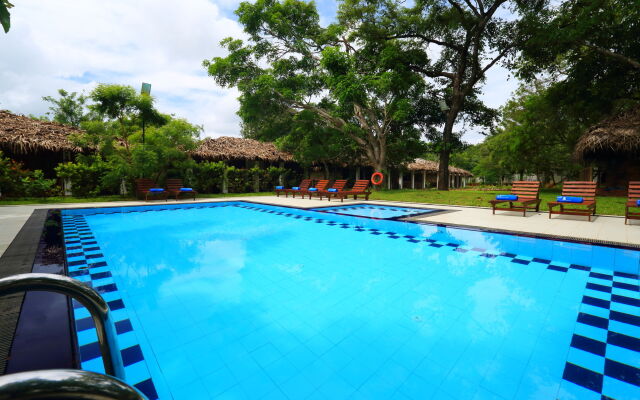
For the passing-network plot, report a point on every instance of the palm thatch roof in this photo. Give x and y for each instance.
(615, 136)
(233, 148)
(22, 135)
(429, 166)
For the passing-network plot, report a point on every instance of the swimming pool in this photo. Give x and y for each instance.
(376, 211)
(243, 300)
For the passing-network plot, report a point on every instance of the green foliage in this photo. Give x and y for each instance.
(36, 185)
(240, 180)
(320, 91)
(87, 177)
(590, 51)
(11, 175)
(269, 177)
(536, 136)
(118, 137)
(5, 17)
(208, 176)
(451, 45)
(68, 109)
(18, 182)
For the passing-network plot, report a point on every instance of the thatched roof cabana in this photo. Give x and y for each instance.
(614, 137)
(23, 135)
(232, 148)
(420, 164)
(429, 166)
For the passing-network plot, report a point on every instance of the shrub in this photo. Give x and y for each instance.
(36, 185)
(11, 175)
(239, 180)
(208, 177)
(270, 177)
(87, 177)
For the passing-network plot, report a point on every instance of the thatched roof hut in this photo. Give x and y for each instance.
(614, 137)
(232, 148)
(420, 164)
(23, 135)
(429, 166)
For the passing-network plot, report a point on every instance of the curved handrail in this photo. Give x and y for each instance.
(88, 297)
(65, 384)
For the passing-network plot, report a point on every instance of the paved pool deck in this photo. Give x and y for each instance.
(610, 229)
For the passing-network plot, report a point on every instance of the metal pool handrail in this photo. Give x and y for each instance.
(88, 297)
(65, 384)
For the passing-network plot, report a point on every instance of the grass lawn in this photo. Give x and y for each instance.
(68, 199)
(605, 205)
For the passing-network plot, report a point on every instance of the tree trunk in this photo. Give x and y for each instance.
(443, 171)
(445, 152)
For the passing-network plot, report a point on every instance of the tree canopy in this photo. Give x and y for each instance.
(451, 45)
(295, 73)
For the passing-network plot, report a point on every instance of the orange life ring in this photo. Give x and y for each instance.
(377, 175)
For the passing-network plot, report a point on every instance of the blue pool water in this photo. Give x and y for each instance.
(235, 300)
(375, 210)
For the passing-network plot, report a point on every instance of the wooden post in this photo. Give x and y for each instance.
(66, 185)
(400, 176)
(123, 188)
(256, 178)
(357, 173)
(225, 182)
(437, 180)
(424, 179)
(389, 180)
(281, 176)
(413, 180)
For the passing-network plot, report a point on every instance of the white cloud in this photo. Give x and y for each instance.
(74, 44)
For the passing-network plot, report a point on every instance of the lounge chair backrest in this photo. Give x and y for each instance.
(360, 185)
(339, 184)
(584, 189)
(304, 185)
(634, 190)
(174, 184)
(526, 189)
(144, 184)
(321, 184)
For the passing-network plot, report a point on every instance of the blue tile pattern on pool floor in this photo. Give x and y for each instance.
(375, 210)
(87, 264)
(236, 302)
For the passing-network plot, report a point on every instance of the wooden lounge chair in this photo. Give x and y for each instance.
(304, 185)
(360, 188)
(338, 185)
(175, 188)
(528, 193)
(143, 190)
(632, 201)
(584, 189)
(320, 185)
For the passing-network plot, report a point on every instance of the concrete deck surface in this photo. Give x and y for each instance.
(602, 228)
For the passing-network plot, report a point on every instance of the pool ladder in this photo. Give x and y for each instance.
(49, 384)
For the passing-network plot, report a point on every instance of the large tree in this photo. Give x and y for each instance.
(591, 50)
(451, 44)
(292, 65)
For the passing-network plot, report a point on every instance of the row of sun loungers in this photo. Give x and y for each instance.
(322, 189)
(577, 198)
(147, 188)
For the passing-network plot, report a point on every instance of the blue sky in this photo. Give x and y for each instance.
(75, 44)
